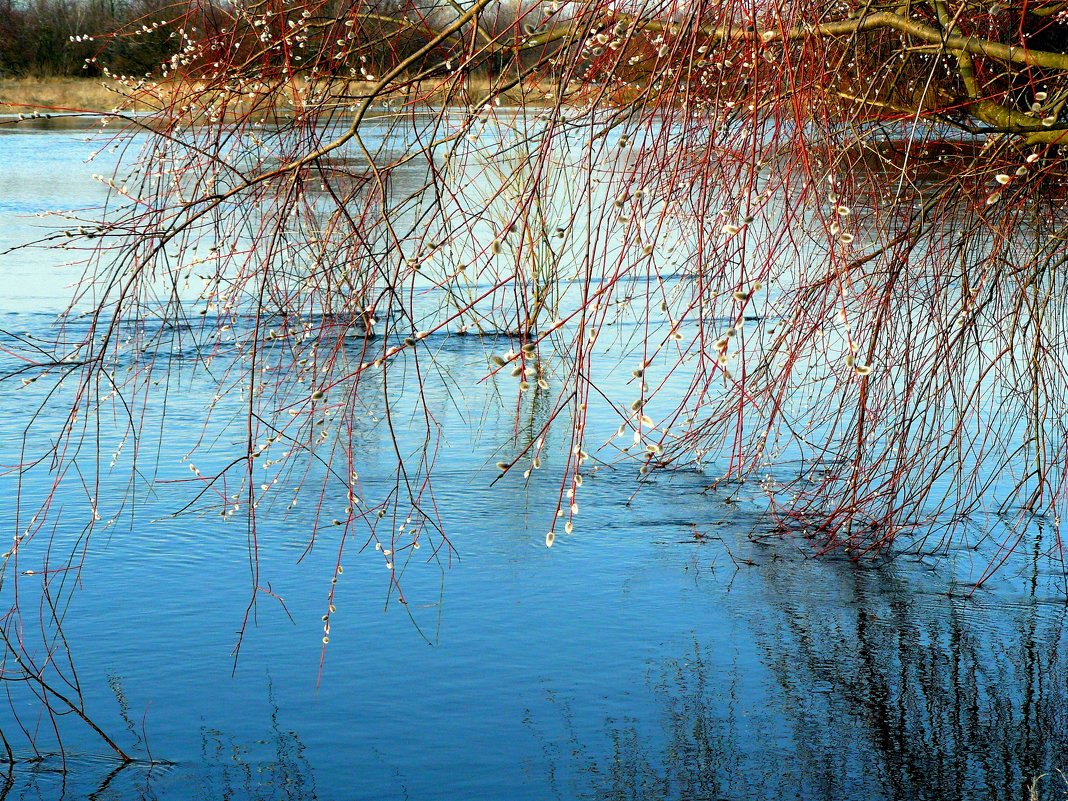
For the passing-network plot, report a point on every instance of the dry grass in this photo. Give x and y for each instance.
(88, 94)
(57, 94)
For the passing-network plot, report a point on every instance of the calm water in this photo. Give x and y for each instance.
(632, 660)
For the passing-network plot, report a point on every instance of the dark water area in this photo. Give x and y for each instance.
(675, 646)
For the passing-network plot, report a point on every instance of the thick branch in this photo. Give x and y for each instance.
(885, 20)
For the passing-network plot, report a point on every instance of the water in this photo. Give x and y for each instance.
(672, 647)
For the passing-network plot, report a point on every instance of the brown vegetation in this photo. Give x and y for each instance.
(61, 94)
(19, 95)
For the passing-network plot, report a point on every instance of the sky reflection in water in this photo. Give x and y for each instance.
(633, 660)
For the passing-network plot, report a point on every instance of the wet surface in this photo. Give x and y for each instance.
(674, 646)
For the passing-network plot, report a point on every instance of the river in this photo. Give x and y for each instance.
(674, 646)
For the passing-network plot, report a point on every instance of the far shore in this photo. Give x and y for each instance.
(26, 95)
(97, 95)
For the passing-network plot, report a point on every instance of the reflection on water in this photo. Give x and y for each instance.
(876, 688)
(672, 648)
(223, 770)
(965, 702)
(818, 684)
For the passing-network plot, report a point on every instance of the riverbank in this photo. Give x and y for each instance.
(22, 95)
(58, 94)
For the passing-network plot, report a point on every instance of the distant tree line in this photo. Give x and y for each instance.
(132, 37)
(36, 37)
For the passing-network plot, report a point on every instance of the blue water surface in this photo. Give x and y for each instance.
(675, 646)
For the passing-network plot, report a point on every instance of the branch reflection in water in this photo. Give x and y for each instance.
(273, 768)
(891, 692)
